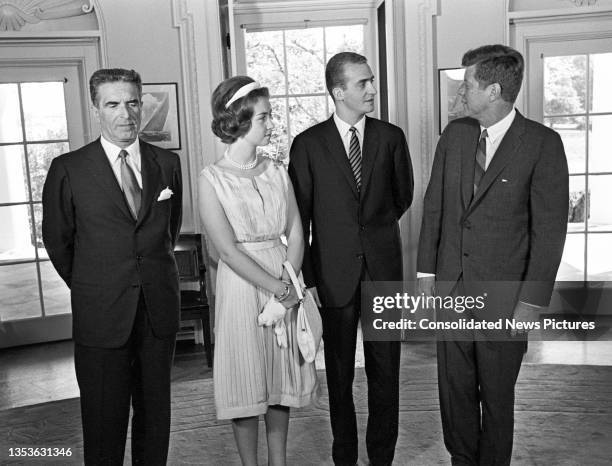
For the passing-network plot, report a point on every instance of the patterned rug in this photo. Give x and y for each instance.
(563, 417)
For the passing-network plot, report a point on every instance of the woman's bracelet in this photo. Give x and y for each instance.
(285, 294)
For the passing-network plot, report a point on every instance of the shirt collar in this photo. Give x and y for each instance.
(112, 150)
(500, 128)
(344, 127)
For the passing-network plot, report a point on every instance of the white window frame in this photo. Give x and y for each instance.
(52, 60)
(535, 34)
(270, 16)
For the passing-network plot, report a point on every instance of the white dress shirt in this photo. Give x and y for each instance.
(133, 160)
(345, 133)
(495, 134)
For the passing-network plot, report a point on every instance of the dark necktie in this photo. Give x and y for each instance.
(131, 190)
(481, 159)
(355, 156)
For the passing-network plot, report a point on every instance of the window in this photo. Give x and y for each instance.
(291, 63)
(569, 91)
(286, 49)
(33, 130)
(578, 105)
(41, 116)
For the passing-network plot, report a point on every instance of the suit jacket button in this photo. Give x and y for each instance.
(465, 254)
(139, 258)
(362, 228)
(359, 256)
(467, 224)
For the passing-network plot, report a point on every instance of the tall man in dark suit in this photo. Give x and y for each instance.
(495, 210)
(111, 217)
(353, 181)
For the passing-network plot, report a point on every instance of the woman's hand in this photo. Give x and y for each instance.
(291, 299)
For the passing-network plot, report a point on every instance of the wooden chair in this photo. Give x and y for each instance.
(194, 303)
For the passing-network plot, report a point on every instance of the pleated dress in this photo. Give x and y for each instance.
(251, 371)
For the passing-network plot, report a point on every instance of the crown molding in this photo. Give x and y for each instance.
(299, 6)
(14, 14)
(558, 15)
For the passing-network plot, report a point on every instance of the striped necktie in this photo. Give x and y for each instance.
(481, 159)
(131, 189)
(355, 156)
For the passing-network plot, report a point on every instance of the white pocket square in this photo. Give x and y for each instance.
(504, 180)
(165, 194)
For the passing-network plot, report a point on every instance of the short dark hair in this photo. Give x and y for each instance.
(497, 64)
(109, 75)
(334, 71)
(235, 121)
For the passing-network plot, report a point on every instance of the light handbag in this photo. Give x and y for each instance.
(309, 326)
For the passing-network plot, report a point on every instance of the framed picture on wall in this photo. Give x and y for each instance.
(160, 117)
(451, 108)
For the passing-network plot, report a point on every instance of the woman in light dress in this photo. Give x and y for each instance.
(246, 205)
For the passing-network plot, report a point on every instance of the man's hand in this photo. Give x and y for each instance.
(427, 285)
(315, 295)
(524, 313)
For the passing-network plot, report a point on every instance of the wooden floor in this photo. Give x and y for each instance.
(33, 375)
(40, 373)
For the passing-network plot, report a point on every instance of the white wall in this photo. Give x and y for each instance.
(465, 24)
(140, 35)
(436, 34)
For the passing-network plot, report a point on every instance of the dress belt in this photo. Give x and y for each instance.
(258, 245)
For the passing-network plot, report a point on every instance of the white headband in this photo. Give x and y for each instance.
(243, 91)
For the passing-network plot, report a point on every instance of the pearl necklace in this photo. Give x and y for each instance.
(240, 166)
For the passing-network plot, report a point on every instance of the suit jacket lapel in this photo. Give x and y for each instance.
(368, 155)
(510, 144)
(105, 177)
(151, 174)
(468, 159)
(336, 149)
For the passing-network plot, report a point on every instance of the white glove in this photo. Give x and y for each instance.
(272, 312)
(280, 329)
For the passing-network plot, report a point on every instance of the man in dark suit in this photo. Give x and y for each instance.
(495, 210)
(353, 181)
(111, 217)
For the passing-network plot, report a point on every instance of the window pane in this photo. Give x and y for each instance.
(39, 158)
(573, 133)
(38, 215)
(44, 111)
(13, 176)
(10, 118)
(19, 291)
(344, 39)
(15, 233)
(599, 264)
(577, 204)
(265, 59)
(564, 85)
(305, 112)
(305, 60)
(56, 294)
(600, 212)
(600, 157)
(572, 262)
(601, 76)
(278, 147)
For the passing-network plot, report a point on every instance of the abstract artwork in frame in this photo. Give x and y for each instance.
(451, 107)
(160, 116)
